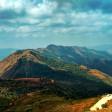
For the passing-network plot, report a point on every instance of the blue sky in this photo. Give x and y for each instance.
(37, 23)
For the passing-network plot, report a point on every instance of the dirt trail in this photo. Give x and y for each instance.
(101, 102)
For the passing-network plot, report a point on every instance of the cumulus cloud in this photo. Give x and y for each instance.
(27, 7)
(63, 22)
(44, 8)
(34, 18)
(16, 5)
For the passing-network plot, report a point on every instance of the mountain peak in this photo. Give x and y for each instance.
(23, 60)
(51, 46)
(28, 54)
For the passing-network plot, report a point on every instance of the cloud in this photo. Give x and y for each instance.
(55, 18)
(16, 5)
(78, 22)
(45, 8)
(42, 9)
(85, 5)
(26, 8)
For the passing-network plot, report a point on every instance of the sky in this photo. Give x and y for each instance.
(38, 23)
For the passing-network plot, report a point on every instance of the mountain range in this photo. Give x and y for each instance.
(31, 64)
(80, 55)
(57, 72)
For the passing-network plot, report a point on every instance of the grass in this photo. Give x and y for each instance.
(38, 102)
(35, 102)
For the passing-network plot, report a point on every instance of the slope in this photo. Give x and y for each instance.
(80, 55)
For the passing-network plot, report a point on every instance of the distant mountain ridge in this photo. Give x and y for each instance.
(80, 55)
(73, 54)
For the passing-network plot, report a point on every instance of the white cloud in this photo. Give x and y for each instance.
(62, 22)
(6, 29)
(16, 5)
(23, 29)
(44, 8)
